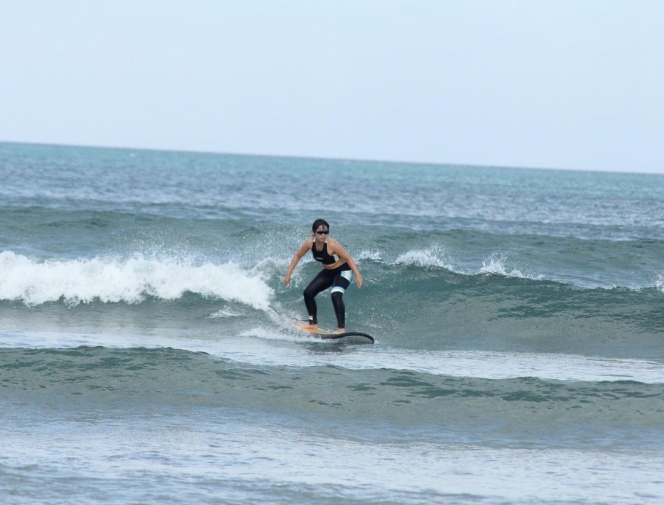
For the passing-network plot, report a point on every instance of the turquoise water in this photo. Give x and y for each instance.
(146, 352)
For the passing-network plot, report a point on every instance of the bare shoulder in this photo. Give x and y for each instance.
(332, 242)
(334, 246)
(307, 243)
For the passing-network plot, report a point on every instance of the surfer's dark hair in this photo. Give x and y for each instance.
(319, 222)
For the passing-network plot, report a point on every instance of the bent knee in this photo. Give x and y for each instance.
(309, 293)
(337, 297)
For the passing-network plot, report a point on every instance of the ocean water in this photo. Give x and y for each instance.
(146, 353)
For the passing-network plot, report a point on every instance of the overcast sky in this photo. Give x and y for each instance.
(533, 83)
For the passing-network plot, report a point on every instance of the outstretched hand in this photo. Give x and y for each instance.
(287, 280)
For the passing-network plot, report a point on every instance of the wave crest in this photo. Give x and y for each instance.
(112, 279)
(425, 258)
(495, 264)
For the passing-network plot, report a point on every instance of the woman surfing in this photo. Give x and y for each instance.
(338, 271)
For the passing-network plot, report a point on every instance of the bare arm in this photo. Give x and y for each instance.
(306, 246)
(335, 247)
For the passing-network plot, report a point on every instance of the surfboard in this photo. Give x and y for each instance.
(329, 334)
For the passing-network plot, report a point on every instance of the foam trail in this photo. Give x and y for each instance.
(130, 280)
(477, 364)
(256, 347)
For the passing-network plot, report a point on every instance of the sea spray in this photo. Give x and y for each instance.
(130, 280)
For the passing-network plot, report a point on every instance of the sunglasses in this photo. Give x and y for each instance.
(324, 232)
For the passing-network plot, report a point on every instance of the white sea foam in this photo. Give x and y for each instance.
(495, 264)
(182, 457)
(129, 280)
(659, 282)
(225, 313)
(425, 258)
(372, 255)
(478, 364)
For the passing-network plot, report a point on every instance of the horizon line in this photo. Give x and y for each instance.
(324, 158)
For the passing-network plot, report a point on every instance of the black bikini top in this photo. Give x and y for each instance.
(323, 256)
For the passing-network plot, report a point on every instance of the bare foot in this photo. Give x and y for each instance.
(308, 326)
(340, 330)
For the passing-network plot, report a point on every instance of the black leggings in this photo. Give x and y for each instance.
(324, 280)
